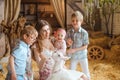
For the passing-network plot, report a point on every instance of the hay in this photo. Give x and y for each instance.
(106, 69)
(101, 41)
(115, 48)
(3, 74)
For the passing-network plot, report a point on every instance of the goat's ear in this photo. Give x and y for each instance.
(53, 54)
(54, 51)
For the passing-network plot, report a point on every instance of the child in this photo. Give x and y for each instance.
(59, 42)
(77, 39)
(29, 72)
(18, 58)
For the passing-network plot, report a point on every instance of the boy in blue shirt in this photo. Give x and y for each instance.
(77, 40)
(19, 55)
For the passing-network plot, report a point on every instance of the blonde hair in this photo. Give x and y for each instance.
(78, 15)
(29, 30)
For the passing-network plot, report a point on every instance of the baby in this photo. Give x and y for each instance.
(59, 42)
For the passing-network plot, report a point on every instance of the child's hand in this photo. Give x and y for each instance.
(29, 73)
(71, 51)
(13, 76)
(69, 42)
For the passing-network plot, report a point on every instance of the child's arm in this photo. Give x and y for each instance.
(69, 42)
(13, 73)
(85, 45)
(70, 51)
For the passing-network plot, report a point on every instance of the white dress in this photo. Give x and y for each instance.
(47, 66)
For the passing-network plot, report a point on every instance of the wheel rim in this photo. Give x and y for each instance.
(95, 53)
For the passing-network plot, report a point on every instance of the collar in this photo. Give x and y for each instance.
(24, 44)
(79, 29)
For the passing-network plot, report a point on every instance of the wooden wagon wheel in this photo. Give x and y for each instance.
(114, 41)
(95, 53)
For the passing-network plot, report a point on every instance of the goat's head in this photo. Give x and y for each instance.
(58, 56)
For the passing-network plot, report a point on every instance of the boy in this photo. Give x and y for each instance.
(77, 41)
(19, 55)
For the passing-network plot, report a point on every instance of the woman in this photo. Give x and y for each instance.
(42, 49)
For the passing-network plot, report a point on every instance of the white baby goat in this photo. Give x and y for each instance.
(61, 73)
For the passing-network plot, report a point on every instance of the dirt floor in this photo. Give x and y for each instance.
(106, 69)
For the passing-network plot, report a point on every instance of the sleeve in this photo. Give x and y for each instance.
(17, 51)
(86, 38)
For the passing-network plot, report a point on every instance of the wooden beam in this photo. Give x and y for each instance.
(36, 1)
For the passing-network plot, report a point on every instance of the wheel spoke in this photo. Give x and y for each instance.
(95, 53)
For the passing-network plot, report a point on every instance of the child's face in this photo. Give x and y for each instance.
(29, 39)
(75, 22)
(60, 36)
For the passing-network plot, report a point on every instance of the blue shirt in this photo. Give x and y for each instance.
(20, 57)
(79, 38)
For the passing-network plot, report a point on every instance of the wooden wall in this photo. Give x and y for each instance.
(43, 10)
(116, 24)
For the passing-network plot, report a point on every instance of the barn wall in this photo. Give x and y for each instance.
(116, 29)
(70, 11)
(103, 26)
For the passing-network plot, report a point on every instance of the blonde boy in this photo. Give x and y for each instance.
(19, 55)
(77, 40)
